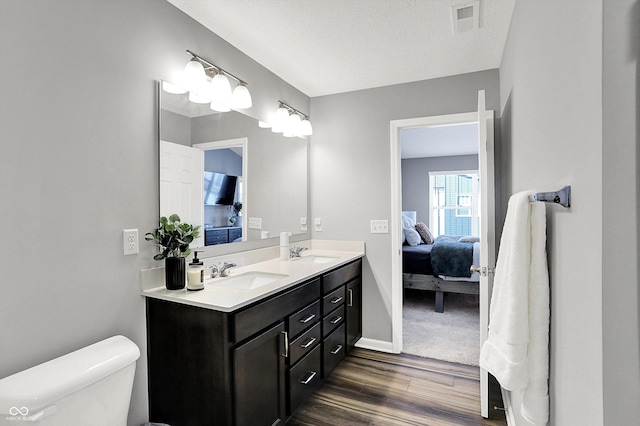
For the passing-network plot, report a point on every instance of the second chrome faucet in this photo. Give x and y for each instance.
(222, 270)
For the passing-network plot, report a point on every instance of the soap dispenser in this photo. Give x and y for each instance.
(195, 274)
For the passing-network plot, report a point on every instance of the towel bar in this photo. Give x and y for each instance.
(562, 196)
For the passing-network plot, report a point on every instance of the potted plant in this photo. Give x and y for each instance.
(173, 238)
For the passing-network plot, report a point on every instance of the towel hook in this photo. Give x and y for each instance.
(562, 196)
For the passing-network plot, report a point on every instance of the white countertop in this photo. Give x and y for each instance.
(226, 299)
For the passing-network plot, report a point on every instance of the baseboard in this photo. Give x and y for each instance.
(508, 408)
(375, 345)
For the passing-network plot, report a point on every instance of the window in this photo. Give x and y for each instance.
(454, 200)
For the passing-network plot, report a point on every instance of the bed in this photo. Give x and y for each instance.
(442, 267)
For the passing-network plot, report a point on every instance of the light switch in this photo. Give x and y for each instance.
(318, 224)
(379, 226)
(303, 223)
(255, 223)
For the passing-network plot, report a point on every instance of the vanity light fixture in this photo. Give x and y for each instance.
(208, 83)
(291, 122)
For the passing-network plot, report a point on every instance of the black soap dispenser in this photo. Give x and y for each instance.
(195, 274)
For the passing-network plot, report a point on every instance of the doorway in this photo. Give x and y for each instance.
(485, 126)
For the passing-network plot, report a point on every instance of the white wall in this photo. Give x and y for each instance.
(78, 164)
(551, 98)
(621, 212)
(350, 168)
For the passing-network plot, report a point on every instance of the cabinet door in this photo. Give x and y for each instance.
(354, 312)
(259, 368)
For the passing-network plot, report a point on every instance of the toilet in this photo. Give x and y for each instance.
(89, 387)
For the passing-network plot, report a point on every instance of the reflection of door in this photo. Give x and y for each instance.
(181, 182)
(487, 231)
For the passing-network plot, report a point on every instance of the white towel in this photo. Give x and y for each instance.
(516, 351)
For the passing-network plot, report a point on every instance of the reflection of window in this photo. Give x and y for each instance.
(455, 202)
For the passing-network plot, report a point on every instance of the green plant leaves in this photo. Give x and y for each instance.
(173, 236)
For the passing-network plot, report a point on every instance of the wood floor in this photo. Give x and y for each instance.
(373, 388)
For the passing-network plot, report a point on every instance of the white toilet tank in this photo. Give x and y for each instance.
(88, 387)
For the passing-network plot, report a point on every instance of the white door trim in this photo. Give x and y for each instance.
(234, 143)
(396, 208)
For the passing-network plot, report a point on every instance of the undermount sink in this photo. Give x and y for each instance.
(314, 258)
(248, 280)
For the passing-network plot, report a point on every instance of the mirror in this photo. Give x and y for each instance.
(254, 180)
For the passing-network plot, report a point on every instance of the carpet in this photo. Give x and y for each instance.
(453, 335)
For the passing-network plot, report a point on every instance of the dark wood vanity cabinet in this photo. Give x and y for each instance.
(256, 365)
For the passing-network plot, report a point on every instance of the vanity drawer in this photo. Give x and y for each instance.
(304, 319)
(304, 343)
(215, 236)
(340, 276)
(334, 349)
(333, 300)
(304, 378)
(333, 320)
(234, 233)
(255, 318)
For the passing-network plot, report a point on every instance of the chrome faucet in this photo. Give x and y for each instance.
(295, 251)
(221, 270)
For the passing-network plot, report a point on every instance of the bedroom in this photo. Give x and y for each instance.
(440, 191)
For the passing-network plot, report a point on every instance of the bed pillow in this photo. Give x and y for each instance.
(413, 238)
(469, 240)
(424, 233)
(406, 222)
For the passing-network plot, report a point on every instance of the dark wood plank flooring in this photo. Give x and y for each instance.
(374, 388)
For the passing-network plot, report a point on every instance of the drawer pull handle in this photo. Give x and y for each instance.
(336, 300)
(309, 342)
(310, 377)
(336, 350)
(307, 319)
(336, 320)
(286, 344)
(350, 304)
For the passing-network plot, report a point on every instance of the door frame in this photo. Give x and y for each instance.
(396, 209)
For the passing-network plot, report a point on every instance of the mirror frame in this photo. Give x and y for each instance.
(231, 248)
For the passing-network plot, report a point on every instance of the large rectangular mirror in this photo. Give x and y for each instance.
(240, 182)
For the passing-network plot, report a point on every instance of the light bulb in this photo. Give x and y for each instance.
(280, 120)
(173, 88)
(305, 127)
(220, 90)
(194, 74)
(220, 107)
(241, 97)
(293, 125)
(198, 98)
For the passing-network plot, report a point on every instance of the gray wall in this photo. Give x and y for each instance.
(350, 168)
(71, 181)
(223, 161)
(415, 179)
(551, 86)
(621, 212)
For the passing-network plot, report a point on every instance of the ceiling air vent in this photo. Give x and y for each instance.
(465, 16)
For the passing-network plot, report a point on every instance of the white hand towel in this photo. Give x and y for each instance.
(516, 350)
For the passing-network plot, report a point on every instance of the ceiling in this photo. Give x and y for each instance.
(325, 47)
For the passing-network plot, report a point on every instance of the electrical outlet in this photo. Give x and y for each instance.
(255, 223)
(130, 241)
(379, 226)
(318, 224)
(303, 223)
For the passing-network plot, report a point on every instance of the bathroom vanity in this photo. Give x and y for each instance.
(252, 359)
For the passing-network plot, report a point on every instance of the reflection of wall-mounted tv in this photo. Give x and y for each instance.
(219, 189)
